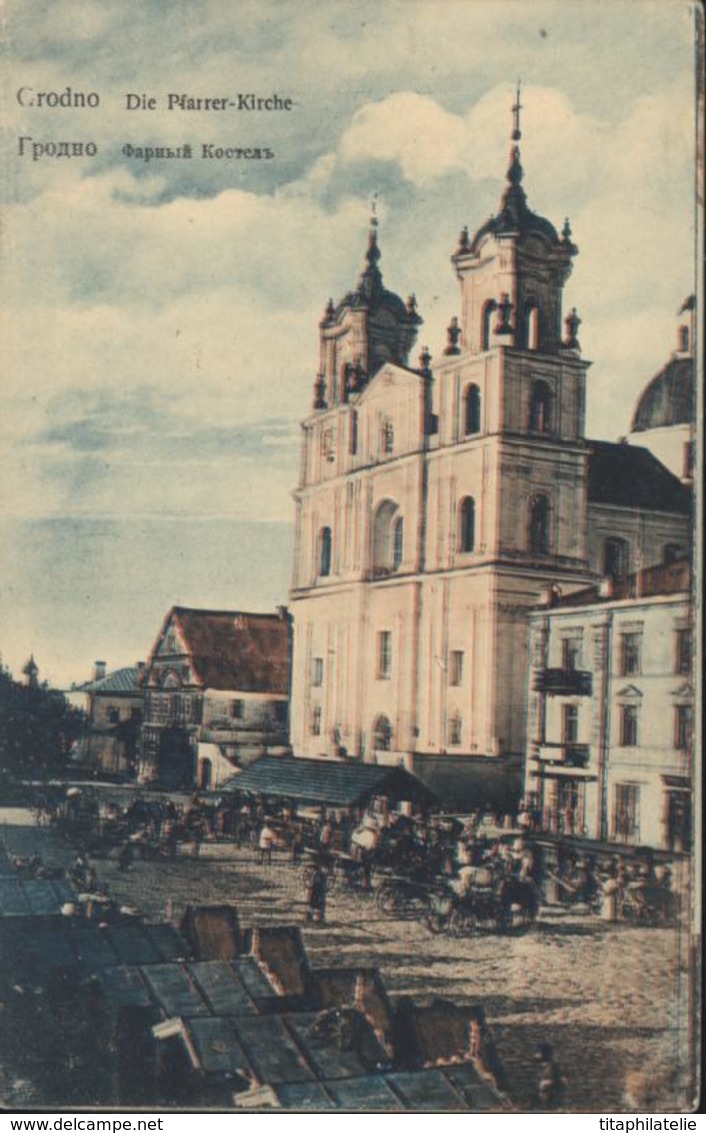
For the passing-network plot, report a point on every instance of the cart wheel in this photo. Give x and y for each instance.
(436, 923)
(462, 922)
(306, 875)
(386, 897)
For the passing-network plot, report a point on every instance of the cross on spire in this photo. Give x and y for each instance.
(517, 107)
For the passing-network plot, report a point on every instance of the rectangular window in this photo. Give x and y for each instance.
(280, 710)
(570, 724)
(317, 671)
(682, 727)
(316, 720)
(384, 666)
(683, 652)
(626, 812)
(570, 653)
(237, 709)
(628, 725)
(630, 650)
(456, 667)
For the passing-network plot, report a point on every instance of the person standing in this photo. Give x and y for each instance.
(551, 1083)
(316, 895)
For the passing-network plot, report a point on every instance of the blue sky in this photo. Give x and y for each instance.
(160, 319)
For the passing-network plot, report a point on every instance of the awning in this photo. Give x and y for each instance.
(565, 773)
(677, 782)
(328, 781)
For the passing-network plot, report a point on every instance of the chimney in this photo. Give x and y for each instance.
(282, 613)
(98, 670)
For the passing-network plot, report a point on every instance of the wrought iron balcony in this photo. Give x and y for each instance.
(568, 754)
(563, 682)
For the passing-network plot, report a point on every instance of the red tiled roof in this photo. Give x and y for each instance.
(674, 578)
(238, 651)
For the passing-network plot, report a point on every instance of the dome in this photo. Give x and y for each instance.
(668, 398)
(515, 214)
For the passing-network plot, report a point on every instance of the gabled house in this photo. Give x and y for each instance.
(216, 689)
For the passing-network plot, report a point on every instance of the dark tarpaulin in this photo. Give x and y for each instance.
(166, 941)
(303, 1095)
(478, 1094)
(222, 988)
(369, 1093)
(13, 902)
(426, 1090)
(132, 945)
(331, 1059)
(173, 990)
(124, 987)
(217, 1046)
(328, 782)
(269, 1047)
(256, 983)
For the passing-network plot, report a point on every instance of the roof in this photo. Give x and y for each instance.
(668, 399)
(515, 216)
(120, 680)
(235, 650)
(630, 476)
(326, 781)
(674, 578)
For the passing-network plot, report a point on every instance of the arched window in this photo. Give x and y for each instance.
(397, 542)
(388, 436)
(455, 728)
(615, 557)
(539, 526)
(324, 552)
(540, 416)
(354, 433)
(315, 720)
(382, 734)
(532, 326)
(385, 536)
(488, 309)
(467, 524)
(472, 411)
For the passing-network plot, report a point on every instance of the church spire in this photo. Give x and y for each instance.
(373, 253)
(515, 172)
(516, 131)
(370, 281)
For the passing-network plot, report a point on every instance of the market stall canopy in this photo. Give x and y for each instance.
(323, 781)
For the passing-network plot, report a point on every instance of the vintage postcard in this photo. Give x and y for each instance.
(349, 497)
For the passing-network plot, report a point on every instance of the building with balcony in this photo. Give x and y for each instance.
(610, 751)
(436, 505)
(216, 695)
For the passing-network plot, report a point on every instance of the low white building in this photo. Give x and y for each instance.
(610, 711)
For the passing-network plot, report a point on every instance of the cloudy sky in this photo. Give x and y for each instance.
(160, 318)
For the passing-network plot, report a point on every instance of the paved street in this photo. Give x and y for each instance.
(589, 987)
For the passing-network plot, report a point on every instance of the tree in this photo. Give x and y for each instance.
(37, 729)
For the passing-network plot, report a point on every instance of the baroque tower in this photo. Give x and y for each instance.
(435, 508)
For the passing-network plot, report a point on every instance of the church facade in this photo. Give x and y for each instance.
(436, 507)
